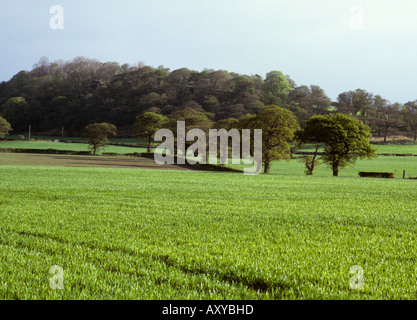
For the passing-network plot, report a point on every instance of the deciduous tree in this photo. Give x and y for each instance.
(276, 88)
(98, 134)
(356, 103)
(15, 110)
(5, 128)
(193, 120)
(147, 124)
(409, 115)
(388, 118)
(278, 127)
(346, 139)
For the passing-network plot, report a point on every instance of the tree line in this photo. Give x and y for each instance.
(73, 94)
(345, 138)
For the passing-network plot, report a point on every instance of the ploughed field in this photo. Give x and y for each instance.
(170, 234)
(118, 161)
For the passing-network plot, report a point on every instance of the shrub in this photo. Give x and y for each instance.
(386, 175)
(44, 151)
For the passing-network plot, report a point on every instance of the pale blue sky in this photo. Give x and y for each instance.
(311, 40)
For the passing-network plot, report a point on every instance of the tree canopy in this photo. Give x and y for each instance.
(278, 127)
(345, 138)
(15, 110)
(98, 134)
(75, 93)
(147, 124)
(5, 128)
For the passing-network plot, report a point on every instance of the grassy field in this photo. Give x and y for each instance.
(44, 145)
(284, 168)
(394, 164)
(78, 139)
(380, 148)
(137, 233)
(380, 164)
(152, 234)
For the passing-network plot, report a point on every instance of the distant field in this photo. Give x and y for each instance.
(396, 149)
(43, 145)
(383, 163)
(152, 234)
(52, 138)
(395, 165)
(380, 148)
(380, 164)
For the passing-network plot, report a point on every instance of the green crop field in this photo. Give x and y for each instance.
(45, 144)
(380, 164)
(392, 164)
(380, 148)
(154, 234)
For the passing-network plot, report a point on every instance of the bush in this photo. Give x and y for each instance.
(386, 175)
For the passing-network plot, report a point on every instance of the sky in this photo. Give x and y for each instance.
(338, 45)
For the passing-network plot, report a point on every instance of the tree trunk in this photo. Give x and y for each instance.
(311, 168)
(149, 144)
(267, 167)
(335, 168)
